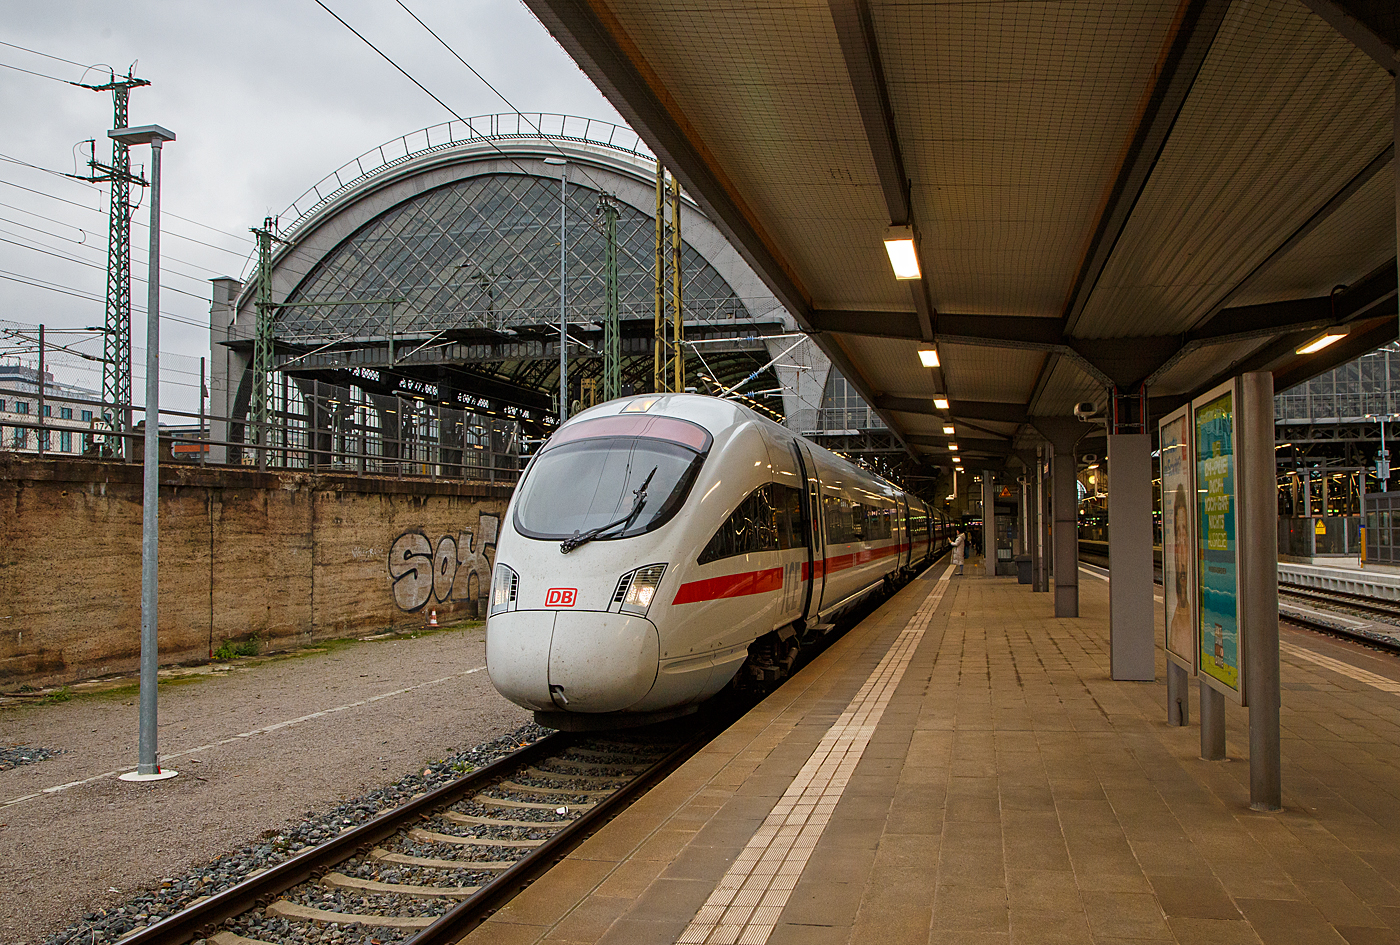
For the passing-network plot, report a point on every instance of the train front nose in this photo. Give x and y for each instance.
(577, 661)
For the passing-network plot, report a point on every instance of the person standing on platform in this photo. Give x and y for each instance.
(958, 544)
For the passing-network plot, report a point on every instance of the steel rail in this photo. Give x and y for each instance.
(1362, 602)
(471, 912)
(193, 921)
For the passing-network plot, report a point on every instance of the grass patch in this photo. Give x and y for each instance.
(234, 649)
(61, 694)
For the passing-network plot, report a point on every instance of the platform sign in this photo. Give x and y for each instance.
(1220, 656)
(1179, 580)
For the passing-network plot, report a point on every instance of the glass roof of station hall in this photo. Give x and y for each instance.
(483, 253)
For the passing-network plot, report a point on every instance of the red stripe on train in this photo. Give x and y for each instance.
(731, 585)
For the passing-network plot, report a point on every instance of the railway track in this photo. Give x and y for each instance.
(1338, 627)
(431, 870)
(1358, 602)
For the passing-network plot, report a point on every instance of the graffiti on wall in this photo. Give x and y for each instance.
(452, 568)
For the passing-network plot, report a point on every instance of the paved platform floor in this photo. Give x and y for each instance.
(960, 768)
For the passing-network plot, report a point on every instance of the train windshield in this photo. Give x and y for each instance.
(586, 484)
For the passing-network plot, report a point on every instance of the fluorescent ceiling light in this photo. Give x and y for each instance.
(947, 429)
(1328, 337)
(928, 357)
(940, 403)
(899, 243)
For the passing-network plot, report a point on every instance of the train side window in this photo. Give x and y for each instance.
(877, 523)
(752, 527)
(845, 520)
(792, 530)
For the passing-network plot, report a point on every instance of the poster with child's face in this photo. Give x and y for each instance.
(1178, 539)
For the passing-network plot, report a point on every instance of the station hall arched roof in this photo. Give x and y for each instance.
(434, 260)
(1105, 193)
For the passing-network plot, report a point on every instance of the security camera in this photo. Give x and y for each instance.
(1085, 410)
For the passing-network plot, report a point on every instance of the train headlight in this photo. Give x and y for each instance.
(636, 589)
(505, 584)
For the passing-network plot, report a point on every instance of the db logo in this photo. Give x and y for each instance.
(560, 597)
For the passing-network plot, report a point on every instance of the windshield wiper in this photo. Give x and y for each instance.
(569, 544)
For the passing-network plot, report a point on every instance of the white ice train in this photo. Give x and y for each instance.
(660, 544)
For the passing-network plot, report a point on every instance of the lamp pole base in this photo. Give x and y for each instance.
(163, 775)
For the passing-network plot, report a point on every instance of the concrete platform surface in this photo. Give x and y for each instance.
(960, 768)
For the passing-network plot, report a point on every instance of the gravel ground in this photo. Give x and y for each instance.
(104, 856)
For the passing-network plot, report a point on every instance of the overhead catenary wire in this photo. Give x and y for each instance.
(51, 56)
(41, 75)
(450, 110)
(37, 283)
(165, 269)
(57, 254)
(100, 190)
(499, 94)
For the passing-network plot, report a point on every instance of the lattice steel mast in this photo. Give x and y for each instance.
(260, 402)
(677, 354)
(668, 365)
(116, 340)
(612, 341)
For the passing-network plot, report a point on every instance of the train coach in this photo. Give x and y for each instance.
(660, 546)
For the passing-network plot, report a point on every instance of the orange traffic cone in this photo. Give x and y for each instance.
(432, 618)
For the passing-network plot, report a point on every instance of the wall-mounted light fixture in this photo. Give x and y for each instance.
(1330, 336)
(928, 357)
(899, 243)
(940, 403)
(948, 430)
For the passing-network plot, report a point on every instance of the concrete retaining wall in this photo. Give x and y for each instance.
(284, 557)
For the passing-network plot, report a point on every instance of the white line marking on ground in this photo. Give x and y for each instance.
(1337, 666)
(265, 730)
(1103, 576)
(745, 906)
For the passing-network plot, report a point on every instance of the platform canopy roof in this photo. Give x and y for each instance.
(1105, 193)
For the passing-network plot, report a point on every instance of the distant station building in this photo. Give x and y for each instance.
(1330, 434)
(67, 412)
(415, 302)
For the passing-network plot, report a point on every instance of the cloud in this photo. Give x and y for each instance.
(266, 98)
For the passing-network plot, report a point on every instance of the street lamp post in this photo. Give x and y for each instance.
(1383, 459)
(563, 166)
(148, 767)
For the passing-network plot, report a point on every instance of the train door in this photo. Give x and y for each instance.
(906, 540)
(816, 543)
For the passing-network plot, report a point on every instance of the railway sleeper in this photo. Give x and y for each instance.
(286, 909)
(563, 791)
(583, 767)
(341, 881)
(473, 820)
(573, 776)
(485, 801)
(431, 836)
(403, 859)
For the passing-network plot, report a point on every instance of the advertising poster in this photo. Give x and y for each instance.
(1178, 539)
(1219, 653)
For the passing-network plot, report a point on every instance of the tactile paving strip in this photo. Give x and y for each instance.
(744, 908)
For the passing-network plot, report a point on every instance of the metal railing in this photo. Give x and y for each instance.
(1319, 536)
(452, 134)
(440, 443)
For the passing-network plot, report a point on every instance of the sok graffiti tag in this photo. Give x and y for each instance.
(454, 568)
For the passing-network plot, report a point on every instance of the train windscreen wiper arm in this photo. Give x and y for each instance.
(569, 544)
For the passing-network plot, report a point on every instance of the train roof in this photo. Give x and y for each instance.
(715, 414)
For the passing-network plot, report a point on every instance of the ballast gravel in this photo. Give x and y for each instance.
(17, 755)
(90, 860)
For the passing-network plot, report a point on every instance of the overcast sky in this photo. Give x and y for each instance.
(266, 97)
